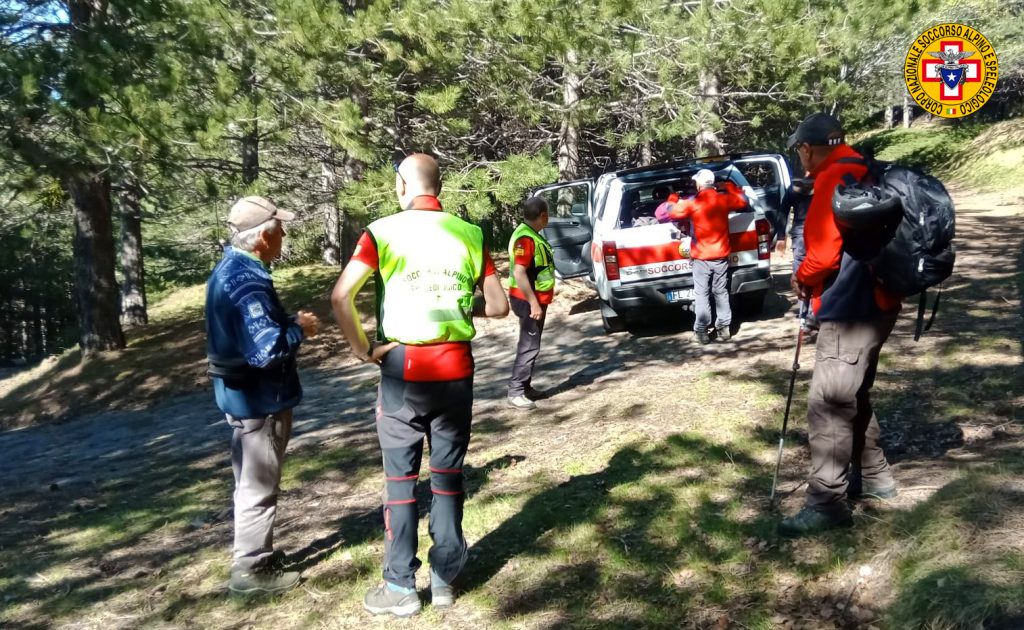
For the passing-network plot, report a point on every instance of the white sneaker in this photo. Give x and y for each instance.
(521, 402)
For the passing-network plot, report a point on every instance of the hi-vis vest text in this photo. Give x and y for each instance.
(430, 262)
(542, 255)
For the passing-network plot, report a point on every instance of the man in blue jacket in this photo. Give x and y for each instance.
(252, 345)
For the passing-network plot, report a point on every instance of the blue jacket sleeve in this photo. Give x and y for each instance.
(266, 338)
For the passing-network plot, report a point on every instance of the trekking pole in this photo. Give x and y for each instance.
(789, 399)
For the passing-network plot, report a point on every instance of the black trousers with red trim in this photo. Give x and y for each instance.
(406, 413)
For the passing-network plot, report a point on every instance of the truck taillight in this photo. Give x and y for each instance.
(764, 238)
(611, 260)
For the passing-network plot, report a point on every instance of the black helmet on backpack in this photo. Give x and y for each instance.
(859, 207)
(867, 217)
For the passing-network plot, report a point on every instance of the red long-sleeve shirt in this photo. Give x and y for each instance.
(709, 211)
(822, 238)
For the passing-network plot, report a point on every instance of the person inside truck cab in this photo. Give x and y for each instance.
(708, 213)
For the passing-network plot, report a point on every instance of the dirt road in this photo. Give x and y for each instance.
(605, 392)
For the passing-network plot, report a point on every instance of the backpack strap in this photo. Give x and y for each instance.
(848, 179)
(935, 310)
(921, 326)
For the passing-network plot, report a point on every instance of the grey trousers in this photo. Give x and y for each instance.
(842, 426)
(528, 350)
(711, 277)
(257, 454)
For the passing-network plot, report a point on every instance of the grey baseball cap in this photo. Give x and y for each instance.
(818, 130)
(249, 212)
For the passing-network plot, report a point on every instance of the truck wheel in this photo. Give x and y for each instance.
(750, 304)
(612, 321)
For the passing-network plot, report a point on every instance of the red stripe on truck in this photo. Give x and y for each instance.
(633, 256)
(666, 252)
(743, 241)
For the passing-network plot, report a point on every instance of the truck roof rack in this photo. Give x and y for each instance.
(679, 162)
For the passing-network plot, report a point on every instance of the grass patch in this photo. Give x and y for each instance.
(987, 157)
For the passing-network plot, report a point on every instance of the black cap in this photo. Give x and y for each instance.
(817, 130)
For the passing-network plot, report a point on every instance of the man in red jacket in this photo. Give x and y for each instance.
(856, 316)
(709, 212)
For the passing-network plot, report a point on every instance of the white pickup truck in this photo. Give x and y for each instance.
(636, 268)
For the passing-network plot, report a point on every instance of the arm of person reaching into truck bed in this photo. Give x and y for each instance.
(683, 209)
(734, 197)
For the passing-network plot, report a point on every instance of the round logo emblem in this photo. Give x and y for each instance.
(951, 70)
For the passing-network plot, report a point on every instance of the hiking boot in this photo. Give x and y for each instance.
(267, 579)
(724, 334)
(387, 598)
(857, 490)
(521, 402)
(442, 594)
(702, 337)
(810, 521)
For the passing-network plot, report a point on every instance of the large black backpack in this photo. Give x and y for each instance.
(909, 248)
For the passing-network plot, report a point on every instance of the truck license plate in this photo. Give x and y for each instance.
(680, 295)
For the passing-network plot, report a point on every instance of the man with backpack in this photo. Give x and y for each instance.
(857, 314)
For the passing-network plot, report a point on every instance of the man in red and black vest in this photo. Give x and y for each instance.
(531, 288)
(857, 315)
(428, 264)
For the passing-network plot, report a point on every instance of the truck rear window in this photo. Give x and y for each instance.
(641, 199)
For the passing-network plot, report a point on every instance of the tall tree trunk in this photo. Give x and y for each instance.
(7, 324)
(250, 128)
(908, 110)
(95, 287)
(51, 337)
(96, 294)
(351, 225)
(707, 140)
(646, 153)
(837, 107)
(37, 326)
(250, 153)
(133, 271)
(569, 135)
(332, 218)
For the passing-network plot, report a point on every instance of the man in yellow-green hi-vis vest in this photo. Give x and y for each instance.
(531, 289)
(428, 265)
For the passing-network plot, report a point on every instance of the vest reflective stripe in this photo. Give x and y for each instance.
(430, 262)
(542, 259)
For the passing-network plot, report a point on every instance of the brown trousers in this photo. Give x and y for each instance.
(842, 427)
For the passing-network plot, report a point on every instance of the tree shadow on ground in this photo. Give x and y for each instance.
(638, 532)
(359, 527)
(658, 532)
